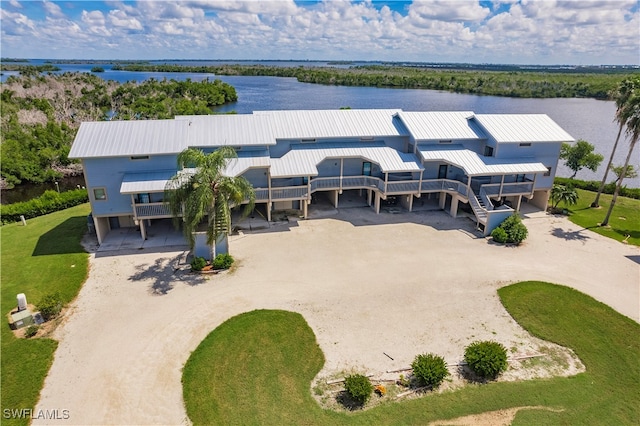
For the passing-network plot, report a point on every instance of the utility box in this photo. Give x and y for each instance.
(21, 319)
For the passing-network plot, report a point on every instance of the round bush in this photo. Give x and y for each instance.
(359, 387)
(486, 358)
(429, 369)
(50, 306)
(499, 235)
(31, 331)
(222, 261)
(198, 263)
(515, 229)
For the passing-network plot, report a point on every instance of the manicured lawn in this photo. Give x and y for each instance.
(43, 257)
(625, 218)
(256, 368)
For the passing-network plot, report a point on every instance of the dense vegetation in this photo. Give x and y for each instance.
(523, 84)
(49, 202)
(41, 114)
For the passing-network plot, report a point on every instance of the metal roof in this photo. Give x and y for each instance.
(229, 129)
(345, 123)
(129, 138)
(133, 183)
(441, 125)
(302, 160)
(247, 160)
(475, 165)
(514, 128)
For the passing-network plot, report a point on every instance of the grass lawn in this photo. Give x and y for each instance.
(625, 218)
(43, 257)
(256, 368)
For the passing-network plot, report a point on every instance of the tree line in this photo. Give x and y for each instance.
(41, 115)
(523, 84)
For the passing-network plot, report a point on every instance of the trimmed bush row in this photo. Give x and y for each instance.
(49, 202)
(593, 185)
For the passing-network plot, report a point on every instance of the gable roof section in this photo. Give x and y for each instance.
(346, 123)
(447, 125)
(475, 165)
(229, 129)
(302, 160)
(515, 128)
(129, 138)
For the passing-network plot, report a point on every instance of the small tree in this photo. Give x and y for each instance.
(486, 358)
(430, 369)
(50, 306)
(515, 229)
(563, 194)
(359, 387)
(629, 173)
(579, 156)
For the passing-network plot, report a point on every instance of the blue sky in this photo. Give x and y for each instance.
(583, 32)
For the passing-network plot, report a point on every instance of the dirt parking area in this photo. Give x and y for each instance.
(368, 285)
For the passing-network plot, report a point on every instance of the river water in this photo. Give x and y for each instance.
(588, 119)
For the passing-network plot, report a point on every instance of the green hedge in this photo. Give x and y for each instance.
(49, 202)
(594, 185)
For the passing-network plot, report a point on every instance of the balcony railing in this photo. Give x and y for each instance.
(152, 210)
(516, 188)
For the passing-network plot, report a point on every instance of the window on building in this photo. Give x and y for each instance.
(525, 144)
(100, 194)
(548, 172)
(488, 151)
(309, 140)
(367, 138)
(445, 141)
(366, 168)
(139, 157)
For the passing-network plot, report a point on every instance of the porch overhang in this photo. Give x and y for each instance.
(476, 165)
(147, 182)
(303, 161)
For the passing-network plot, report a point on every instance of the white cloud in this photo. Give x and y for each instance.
(53, 10)
(456, 30)
(15, 3)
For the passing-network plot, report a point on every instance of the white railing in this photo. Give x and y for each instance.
(515, 188)
(147, 210)
(289, 193)
(485, 198)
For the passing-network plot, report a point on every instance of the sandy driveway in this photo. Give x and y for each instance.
(401, 288)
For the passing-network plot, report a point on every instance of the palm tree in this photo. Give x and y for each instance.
(564, 194)
(621, 96)
(200, 189)
(633, 129)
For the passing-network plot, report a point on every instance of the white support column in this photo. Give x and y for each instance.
(501, 185)
(269, 207)
(305, 208)
(420, 184)
(370, 197)
(97, 224)
(133, 207)
(341, 171)
(468, 187)
(336, 197)
(454, 206)
(442, 199)
(386, 179)
(518, 203)
(143, 231)
(377, 206)
(533, 185)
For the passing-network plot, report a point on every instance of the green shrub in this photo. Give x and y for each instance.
(486, 358)
(514, 228)
(50, 306)
(359, 387)
(429, 369)
(222, 261)
(592, 185)
(49, 202)
(31, 331)
(198, 263)
(499, 235)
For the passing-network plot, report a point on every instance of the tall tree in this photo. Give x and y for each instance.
(621, 96)
(579, 156)
(632, 122)
(201, 190)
